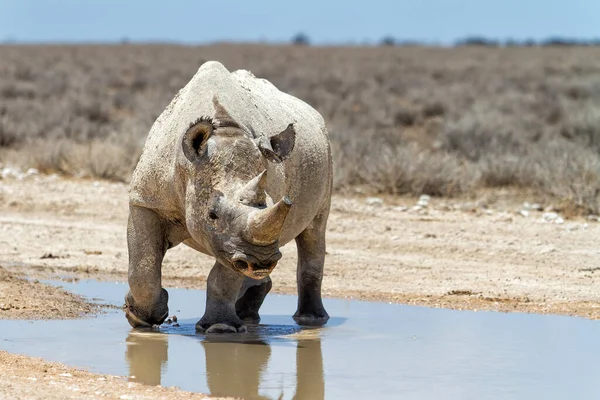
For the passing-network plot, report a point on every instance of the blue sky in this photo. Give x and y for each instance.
(335, 21)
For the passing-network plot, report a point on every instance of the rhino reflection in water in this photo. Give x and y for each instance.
(233, 168)
(146, 355)
(233, 369)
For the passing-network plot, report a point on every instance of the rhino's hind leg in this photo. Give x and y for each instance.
(249, 303)
(146, 302)
(222, 288)
(311, 257)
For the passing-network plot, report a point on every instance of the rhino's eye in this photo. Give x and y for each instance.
(213, 215)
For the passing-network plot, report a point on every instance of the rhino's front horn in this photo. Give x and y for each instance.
(254, 191)
(264, 226)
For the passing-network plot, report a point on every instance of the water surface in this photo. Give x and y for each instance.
(367, 350)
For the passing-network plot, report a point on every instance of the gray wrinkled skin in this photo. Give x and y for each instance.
(233, 168)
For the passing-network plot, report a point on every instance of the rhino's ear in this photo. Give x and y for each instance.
(196, 136)
(278, 147)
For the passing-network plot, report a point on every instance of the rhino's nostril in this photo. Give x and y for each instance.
(241, 264)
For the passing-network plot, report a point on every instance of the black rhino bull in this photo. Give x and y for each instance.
(233, 168)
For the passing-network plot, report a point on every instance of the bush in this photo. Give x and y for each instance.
(388, 41)
(300, 39)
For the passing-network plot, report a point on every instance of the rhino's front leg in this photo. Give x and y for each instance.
(249, 302)
(311, 257)
(222, 289)
(146, 302)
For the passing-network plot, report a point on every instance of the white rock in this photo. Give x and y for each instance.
(374, 201)
(532, 206)
(524, 213)
(424, 200)
(32, 171)
(8, 172)
(400, 208)
(592, 217)
(550, 216)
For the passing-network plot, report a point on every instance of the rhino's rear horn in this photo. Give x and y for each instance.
(254, 193)
(264, 226)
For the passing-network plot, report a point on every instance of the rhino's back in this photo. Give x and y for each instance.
(257, 104)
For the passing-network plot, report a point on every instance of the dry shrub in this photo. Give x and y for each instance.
(7, 137)
(390, 165)
(568, 173)
(407, 169)
(102, 159)
(582, 125)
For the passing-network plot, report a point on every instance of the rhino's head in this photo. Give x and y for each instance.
(227, 206)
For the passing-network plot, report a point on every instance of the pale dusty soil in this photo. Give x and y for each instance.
(464, 253)
(33, 378)
(497, 259)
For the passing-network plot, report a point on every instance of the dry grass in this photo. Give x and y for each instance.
(402, 119)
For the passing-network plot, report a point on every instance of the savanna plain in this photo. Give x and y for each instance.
(465, 178)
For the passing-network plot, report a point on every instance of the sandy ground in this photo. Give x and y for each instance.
(33, 378)
(480, 253)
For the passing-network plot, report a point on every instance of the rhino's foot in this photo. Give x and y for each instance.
(140, 317)
(249, 316)
(203, 326)
(318, 318)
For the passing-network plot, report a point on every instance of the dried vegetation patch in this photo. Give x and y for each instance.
(402, 119)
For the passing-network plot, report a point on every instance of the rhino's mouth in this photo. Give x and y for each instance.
(255, 271)
(251, 266)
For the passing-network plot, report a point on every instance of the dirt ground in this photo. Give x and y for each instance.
(29, 299)
(486, 253)
(33, 378)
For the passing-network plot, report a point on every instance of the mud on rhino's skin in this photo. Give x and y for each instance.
(233, 168)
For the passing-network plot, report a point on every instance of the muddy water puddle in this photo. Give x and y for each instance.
(367, 350)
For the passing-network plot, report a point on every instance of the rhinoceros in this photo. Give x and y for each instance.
(233, 168)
